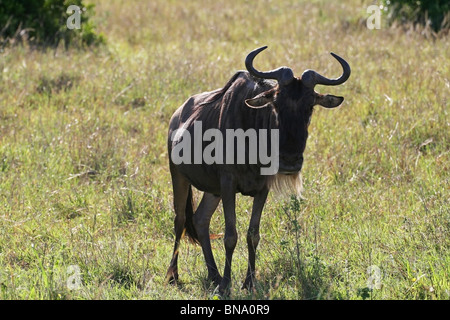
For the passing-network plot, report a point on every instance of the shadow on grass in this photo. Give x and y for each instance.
(310, 279)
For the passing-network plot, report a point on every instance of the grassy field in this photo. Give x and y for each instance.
(85, 195)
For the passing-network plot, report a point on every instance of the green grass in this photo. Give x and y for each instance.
(84, 177)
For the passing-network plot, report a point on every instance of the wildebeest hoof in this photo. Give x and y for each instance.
(248, 284)
(224, 289)
(172, 277)
(217, 279)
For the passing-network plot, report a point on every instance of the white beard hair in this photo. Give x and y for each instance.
(287, 185)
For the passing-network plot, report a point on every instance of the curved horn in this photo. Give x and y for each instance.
(310, 78)
(283, 75)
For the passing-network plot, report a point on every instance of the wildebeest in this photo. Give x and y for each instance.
(250, 100)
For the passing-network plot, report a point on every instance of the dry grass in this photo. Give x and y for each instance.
(83, 166)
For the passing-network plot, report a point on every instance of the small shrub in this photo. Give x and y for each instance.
(43, 23)
(435, 13)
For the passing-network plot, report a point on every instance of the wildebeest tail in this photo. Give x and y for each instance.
(189, 222)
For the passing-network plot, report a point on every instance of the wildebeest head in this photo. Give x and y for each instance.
(293, 100)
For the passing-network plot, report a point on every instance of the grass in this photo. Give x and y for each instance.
(84, 177)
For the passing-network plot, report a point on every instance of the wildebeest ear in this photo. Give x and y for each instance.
(328, 100)
(262, 100)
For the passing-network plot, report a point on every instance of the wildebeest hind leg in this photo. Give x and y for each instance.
(202, 219)
(180, 194)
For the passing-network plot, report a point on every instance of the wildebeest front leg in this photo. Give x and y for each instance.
(228, 193)
(202, 219)
(253, 236)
